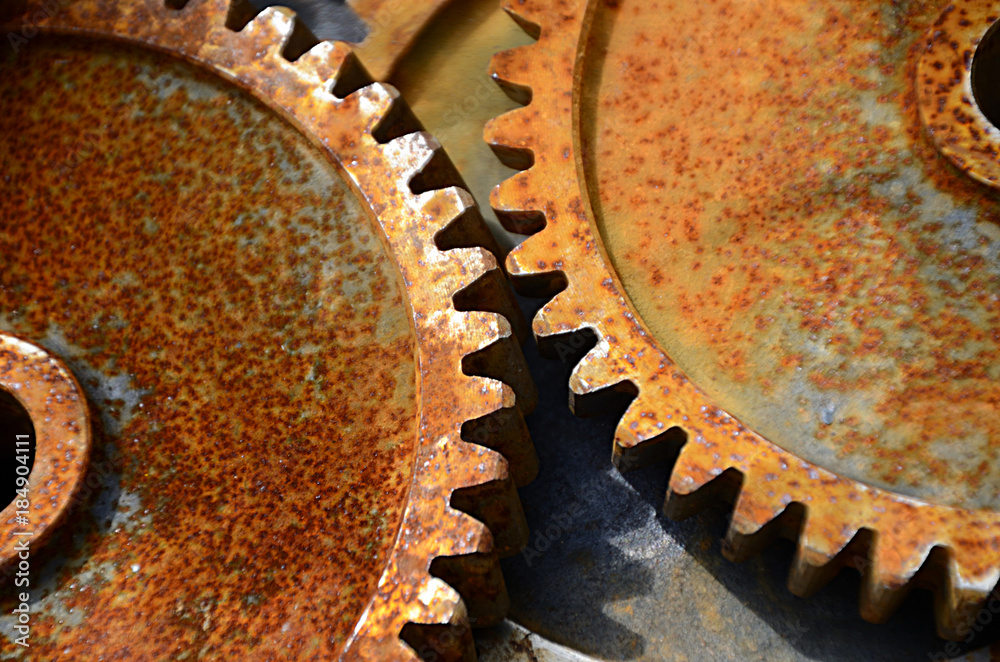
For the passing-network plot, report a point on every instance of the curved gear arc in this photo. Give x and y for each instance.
(895, 541)
(443, 574)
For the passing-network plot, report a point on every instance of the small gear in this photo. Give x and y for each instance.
(301, 364)
(751, 206)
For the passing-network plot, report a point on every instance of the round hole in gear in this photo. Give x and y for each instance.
(986, 75)
(16, 432)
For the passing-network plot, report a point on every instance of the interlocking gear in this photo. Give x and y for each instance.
(800, 293)
(296, 352)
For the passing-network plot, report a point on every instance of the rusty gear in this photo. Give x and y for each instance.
(296, 352)
(799, 292)
(391, 27)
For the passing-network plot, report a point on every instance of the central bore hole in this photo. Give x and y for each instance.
(14, 423)
(986, 74)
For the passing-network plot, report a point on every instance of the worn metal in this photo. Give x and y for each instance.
(52, 399)
(382, 31)
(950, 107)
(796, 287)
(296, 354)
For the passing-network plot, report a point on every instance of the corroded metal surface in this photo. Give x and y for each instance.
(382, 31)
(778, 262)
(444, 80)
(269, 290)
(951, 109)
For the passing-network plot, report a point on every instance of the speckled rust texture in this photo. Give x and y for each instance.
(794, 242)
(803, 260)
(236, 321)
(949, 106)
(273, 354)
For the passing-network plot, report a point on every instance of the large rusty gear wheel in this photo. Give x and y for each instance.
(295, 349)
(744, 204)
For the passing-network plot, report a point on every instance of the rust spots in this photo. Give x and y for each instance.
(789, 200)
(813, 269)
(956, 91)
(229, 309)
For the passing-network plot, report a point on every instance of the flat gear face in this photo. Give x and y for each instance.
(294, 351)
(755, 208)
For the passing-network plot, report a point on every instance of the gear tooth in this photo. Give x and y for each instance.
(813, 567)
(486, 466)
(511, 71)
(642, 440)
(885, 584)
(444, 206)
(377, 101)
(325, 61)
(344, 74)
(482, 286)
(878, 599)
(464, 226)
(488, 500)
(443, 595)
(749, 517)
(503, 429)
(294, 37)
(596, 388)
(489, 395)
(688, 475)
(958, 605)
(435, 594)
(591, 373)
(479, 580)
(526, 14)
(498, 357)
(413, 154)
(505, 136)
(516, 206)
(273, 26)
(638, 425)
(238, 12)
(475, 263)
(513, 65)
(529, 258)
(756, 523)
(434, 636)
(693, 485)
(494, 329)
(557, 317)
